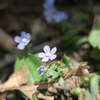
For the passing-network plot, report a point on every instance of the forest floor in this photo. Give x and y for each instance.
(21, 15)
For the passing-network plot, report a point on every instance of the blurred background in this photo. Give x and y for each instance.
(73, 35)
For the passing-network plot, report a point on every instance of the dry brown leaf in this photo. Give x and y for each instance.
(20, 77)
(37, 94)
(78, 71)
(33, 87)
(29, 90)
(28, 93)
(16, 79)
(40, 95)
(69, 74)
(81, 72)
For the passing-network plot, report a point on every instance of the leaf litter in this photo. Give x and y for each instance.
(19, 78)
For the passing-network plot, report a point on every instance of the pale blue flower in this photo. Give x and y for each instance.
(47, 12)
(59, 16)
(51, 13)
(48, 54)
(42, 69)
(23, 40)
(49, 18)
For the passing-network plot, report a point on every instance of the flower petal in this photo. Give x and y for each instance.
(53, 50)
(42, 55)
(41, 73)
(23, 34)
(25, 43)
(45, 59)
(46, 49)
(21, 46)
(49, 18)
(53, 57)
(28, 36)
(41, 68)
(17, 39)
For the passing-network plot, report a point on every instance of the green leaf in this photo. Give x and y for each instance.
(51, 70)
(64, 70)
(29, 45)
(81, 17)
(14, 49)
(80, 39)
(94, 85)
(76, 41)
(67, 62)
(88, 95)
(58, 63)
(34, 97)
(71, 33)
(98, 24)
(94, 38)
(33, 62)
(59, 69)
(61, 81)
(98, 67)
(95, 53)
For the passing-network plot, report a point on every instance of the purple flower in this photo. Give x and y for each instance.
(23, 40)
(48, 54)
(42, 69)
(59, 16)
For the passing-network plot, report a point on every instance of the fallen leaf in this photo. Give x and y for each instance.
(37, 94)
(78, 71)
(20, 77)
(29, 90)
(16, 79)
(81, 72)
(40, 95)
(28, 93)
